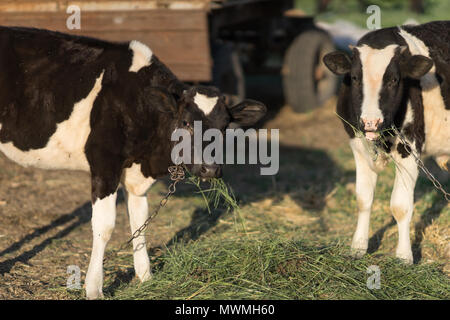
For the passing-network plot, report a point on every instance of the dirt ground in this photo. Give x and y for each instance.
(45, 215)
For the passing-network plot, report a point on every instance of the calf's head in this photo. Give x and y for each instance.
(201, 108)
(377, 78)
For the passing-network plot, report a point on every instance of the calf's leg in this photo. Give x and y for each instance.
(103, 221)
(402, 203)
(137, 207)
(106, 168)
(366, 179)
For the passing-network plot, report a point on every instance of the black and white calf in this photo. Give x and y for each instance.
(78, 103)
(395, 76)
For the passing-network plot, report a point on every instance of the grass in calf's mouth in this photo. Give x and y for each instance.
(380, 141)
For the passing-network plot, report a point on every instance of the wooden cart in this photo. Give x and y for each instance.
(200, 40)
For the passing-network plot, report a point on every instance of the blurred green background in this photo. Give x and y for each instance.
(393, 12)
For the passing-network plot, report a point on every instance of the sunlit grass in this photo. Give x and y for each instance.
(273, 268)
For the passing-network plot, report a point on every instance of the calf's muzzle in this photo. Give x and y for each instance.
(210, 171)
(371, 124)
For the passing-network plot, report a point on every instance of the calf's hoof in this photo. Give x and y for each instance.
(144, 276)
(405, 256)
(358, 253)
(94, 294)
(359, 248)
(142, 268)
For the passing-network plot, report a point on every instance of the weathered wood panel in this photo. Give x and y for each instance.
(171, 46)
(152, 20)
(179, 37)
(99, 5)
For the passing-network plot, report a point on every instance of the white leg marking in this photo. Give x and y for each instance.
(366, 179)
(402, 203)
(138, 212)
(103, 221)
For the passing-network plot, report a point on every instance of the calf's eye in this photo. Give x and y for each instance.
(393, 81)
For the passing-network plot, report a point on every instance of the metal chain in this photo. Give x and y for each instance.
(177, 174)
(421, 165)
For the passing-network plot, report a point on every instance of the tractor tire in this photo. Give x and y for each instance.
(307, 83)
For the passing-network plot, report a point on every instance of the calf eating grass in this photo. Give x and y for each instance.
(77, 103)
(396, 80)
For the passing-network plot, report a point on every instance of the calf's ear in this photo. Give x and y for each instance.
(247, 112)
(416, 66)
(338, 62)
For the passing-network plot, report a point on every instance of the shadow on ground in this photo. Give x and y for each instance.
(78, 217)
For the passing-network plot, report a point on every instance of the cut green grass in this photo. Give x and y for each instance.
(273, 268)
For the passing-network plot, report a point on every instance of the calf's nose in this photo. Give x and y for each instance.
(371, 124)
(210, 171)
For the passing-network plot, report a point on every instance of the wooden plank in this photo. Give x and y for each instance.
(21, 6)
(191, 72)
(98, 5)
(179, 39)
(169, 46)
(151, 20)
(114, 5)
